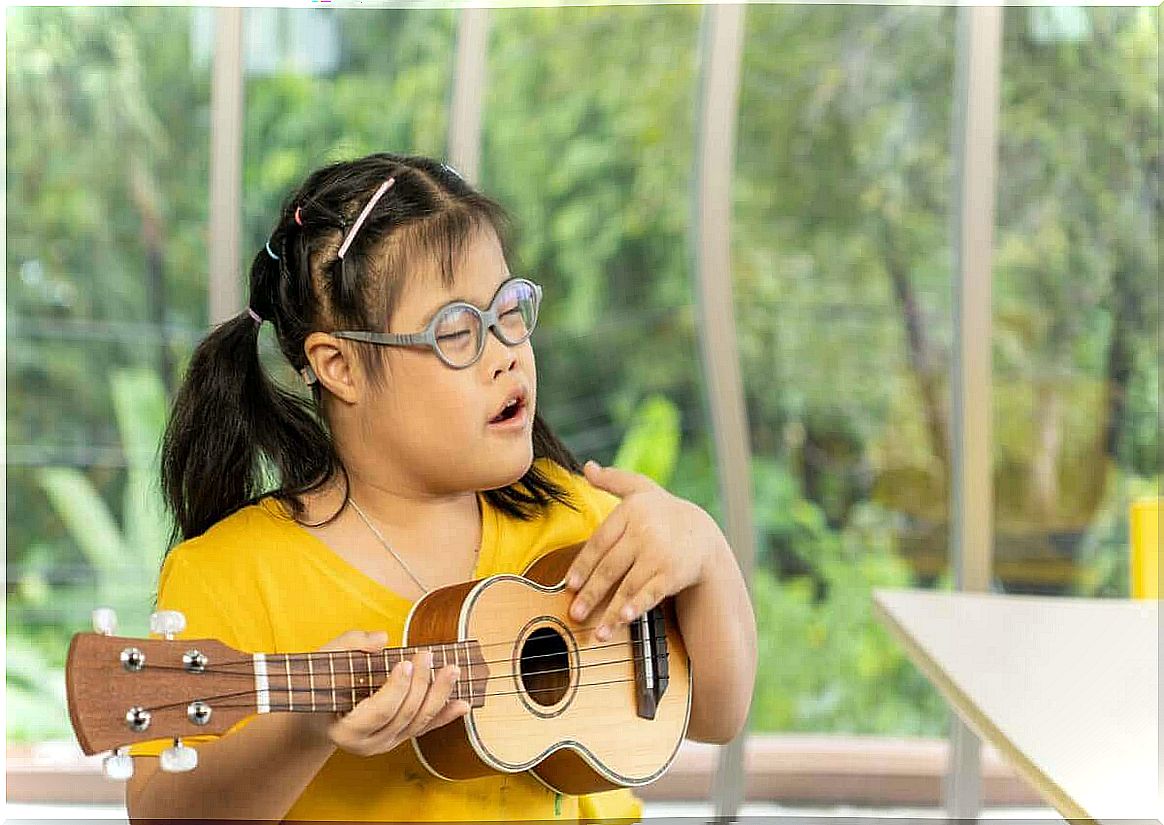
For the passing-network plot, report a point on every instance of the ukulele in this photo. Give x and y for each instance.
(544, 695)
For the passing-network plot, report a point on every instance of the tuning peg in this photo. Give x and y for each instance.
(167, 623)
(119, 766)
(179, 758)
(105, 620)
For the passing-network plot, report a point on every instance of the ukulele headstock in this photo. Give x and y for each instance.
(123, 690)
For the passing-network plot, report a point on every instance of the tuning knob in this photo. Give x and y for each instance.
(167, 623)
(118, 766)
(179, 758)
(105, 620)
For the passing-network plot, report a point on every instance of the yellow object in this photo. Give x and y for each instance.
(258, 581)
(1145, 532)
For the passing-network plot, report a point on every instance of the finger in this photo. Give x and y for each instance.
(609, 571)
(368, 716)
(453, 710)
(395, 720)
(371, 640)
(436, 700)
(616, 480)
(633, 583)
(597, 546)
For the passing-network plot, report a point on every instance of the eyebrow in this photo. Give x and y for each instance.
(432, 312)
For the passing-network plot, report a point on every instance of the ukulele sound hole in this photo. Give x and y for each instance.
(545, 666)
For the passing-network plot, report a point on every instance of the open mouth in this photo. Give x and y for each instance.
(513, 409)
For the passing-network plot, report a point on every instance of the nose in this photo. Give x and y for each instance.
(501, 356)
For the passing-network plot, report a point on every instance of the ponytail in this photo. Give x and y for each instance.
(227, 419)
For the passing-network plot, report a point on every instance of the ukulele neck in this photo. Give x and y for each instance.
(337, 680)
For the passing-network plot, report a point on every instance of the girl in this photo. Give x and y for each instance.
(312, 525)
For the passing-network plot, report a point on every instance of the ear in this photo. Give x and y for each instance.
(335, 367)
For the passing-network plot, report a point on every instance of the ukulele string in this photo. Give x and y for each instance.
(295, 708)
(311, 692)
(303, 656)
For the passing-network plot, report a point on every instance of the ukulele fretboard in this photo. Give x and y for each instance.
(337, 680)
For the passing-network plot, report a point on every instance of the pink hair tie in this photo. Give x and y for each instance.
(384, 187)
(298, 219)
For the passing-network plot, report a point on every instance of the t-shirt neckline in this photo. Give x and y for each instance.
(485, 555)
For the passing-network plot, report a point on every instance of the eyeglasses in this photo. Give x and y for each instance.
(457, 331)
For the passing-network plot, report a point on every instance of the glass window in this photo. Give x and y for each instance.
(1076, 296)
(107, 194)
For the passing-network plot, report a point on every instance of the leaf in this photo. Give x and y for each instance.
(86, 516)
(651, 443)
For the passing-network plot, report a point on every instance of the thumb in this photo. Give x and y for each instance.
(615, 479)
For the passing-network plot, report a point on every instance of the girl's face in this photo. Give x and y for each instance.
(428, 426)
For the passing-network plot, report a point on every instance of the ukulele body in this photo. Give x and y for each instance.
(574, 735)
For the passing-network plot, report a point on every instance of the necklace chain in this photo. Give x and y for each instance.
(384, 542)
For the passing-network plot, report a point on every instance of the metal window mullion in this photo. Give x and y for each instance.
(721, 47)
(468, 92)
(226, 114)
(975, 138)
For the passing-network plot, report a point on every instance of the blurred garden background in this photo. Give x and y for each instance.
(841, 278)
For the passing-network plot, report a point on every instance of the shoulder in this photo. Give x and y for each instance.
(217, 579)
(593, 504)
(246, 535)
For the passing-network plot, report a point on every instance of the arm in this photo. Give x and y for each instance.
(719, 629)
(255, 773)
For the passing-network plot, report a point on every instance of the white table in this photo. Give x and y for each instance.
(1067, 689)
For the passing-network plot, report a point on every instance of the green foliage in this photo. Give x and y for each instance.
(651, 443)
(825, 663)
(122, 561)
(841, 246)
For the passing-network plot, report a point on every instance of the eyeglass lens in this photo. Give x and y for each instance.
(459, 329)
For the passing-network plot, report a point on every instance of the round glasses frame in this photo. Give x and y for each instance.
(490, 320)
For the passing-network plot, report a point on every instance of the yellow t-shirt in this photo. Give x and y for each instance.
(259, 582)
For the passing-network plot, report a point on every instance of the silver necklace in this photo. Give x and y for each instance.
(384, 542)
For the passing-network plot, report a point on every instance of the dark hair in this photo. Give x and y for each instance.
(232, 427)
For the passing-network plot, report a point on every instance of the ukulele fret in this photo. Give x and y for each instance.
(311, 681)
(469, 682)
(331, 667)
(352, 677)
(457, 681)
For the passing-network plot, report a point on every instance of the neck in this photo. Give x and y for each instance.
(336, 680)
(405, 510)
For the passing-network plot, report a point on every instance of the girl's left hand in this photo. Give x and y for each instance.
(653, 544)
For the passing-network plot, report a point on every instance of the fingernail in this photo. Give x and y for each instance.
(456, 671)
(602, 633)
(406, 667)
(627, 613)
(574, 581)
(579, 611)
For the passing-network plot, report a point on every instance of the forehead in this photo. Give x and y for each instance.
(477, 273)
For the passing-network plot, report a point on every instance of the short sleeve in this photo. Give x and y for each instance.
(181, 587)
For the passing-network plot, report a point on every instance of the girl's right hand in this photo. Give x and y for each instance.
(403, 707)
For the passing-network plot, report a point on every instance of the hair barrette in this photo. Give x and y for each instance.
(384, 187)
